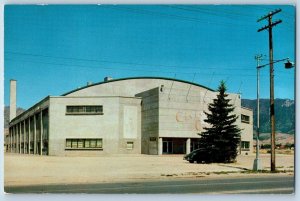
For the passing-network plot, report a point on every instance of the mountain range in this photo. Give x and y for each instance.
(284, 115)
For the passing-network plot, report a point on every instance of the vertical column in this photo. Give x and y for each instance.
(160, 146)
(13, 138)
(19, 138)
(9, 140)
(188, 146)
(24, 137)
(34, 133)
(29, 132)
(41, 133)
(16, 139)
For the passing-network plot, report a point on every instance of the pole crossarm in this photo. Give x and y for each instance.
(269, 26)
(276, 61)
(269, 15)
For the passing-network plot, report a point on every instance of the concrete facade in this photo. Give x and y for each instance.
(246, 126)
(136, 115)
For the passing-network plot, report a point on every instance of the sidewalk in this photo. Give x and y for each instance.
(37, 170)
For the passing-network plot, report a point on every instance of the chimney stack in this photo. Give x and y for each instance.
(13, 100)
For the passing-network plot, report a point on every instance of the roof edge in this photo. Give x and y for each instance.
(29, 109)
(131, 78)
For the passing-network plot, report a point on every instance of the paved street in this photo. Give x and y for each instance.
(275, 184)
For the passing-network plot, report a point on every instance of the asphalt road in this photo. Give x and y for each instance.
(274, 184)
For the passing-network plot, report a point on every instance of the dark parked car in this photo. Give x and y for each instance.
(198, 155)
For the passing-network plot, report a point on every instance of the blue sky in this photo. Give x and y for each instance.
(51, 50)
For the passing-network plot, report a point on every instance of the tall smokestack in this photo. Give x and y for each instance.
(13, 99)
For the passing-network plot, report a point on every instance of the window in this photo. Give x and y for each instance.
(99, 143)
(129, 145)
(245, 119)
(87, 143)
(68, 143)
(80, 143)
(84, 143)
(245, 145)
(84, 109)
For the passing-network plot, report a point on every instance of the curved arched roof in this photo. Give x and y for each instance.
(130, 78)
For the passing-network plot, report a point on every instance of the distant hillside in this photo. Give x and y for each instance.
(284, 114)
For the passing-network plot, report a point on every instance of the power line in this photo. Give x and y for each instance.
(179, 17)
(139, 70)
(120, 62)
(128, 69)
(214, 11)
(222, 13)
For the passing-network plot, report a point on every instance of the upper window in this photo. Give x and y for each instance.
(245, 145)
(84, 109)
(245, 119)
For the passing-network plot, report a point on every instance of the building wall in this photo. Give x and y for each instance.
(247, 130)
(176, 112)
(181, 111)
(137, 114)
(149, 121)
(130, 125)
(109, 127)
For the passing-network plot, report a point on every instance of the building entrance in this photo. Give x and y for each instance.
(167, 147)
(174, 146)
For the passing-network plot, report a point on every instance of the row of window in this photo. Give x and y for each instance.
(84, 109)
(84, 143)
(95, 143)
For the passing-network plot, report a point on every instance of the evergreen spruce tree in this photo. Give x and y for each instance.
(222, 138)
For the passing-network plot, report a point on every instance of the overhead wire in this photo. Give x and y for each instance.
(127, 69)
(120, 62)
(143, 11)
(220, 12)
(180, 17)
(242, 69)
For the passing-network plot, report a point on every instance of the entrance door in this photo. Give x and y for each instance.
(167, 147)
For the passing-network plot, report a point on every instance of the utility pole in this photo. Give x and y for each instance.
(272, 108)
(257, 162)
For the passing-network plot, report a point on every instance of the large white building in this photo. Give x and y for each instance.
(147, 115)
